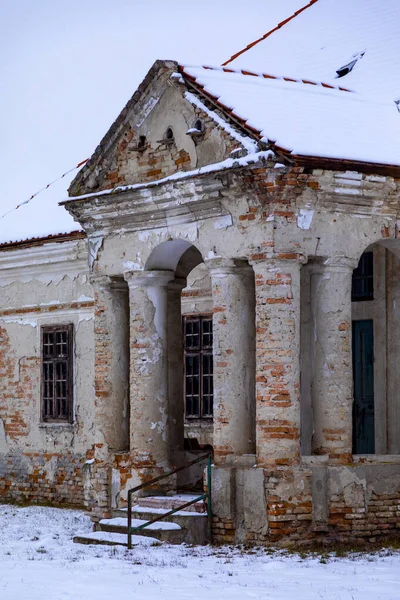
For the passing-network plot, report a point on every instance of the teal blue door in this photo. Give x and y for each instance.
(363, 374)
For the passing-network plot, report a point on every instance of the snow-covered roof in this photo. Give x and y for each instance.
(39, 218)
(329, 34)
(305, 117)
(285, 89)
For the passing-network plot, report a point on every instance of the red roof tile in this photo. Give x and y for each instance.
(281, 24)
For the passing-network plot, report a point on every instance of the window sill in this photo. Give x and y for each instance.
(57, 425)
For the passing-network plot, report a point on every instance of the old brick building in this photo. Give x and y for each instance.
(235, 283)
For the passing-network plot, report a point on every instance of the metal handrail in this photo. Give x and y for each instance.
(205, 496)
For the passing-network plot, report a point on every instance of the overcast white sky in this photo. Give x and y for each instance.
(68, 67)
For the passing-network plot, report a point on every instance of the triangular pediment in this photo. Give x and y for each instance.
(164, 129)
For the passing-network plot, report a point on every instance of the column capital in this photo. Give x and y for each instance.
(137, 279)
(226, 266)
(284, 259)
(337, 262)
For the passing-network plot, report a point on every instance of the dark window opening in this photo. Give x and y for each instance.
(362, 287)
(57, 396)
(199, 125)
(169, 135)
(199, 388)
(142, 144)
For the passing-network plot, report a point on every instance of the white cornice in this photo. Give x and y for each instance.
(173, 203)
(46, 263)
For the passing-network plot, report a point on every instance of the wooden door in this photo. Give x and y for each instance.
(363, 374)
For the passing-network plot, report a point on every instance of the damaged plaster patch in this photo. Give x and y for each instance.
(147, 109)
(3, 439)
(305, 218)
(223, 222)
(131, 265)
(144, 235)
(94, 246)
(18, 321)
(51, 468)
(186, 231)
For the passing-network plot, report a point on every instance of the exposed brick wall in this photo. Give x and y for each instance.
(159, 160)
(352, 521)
(289, 504)
(277, 351)
(18, 380)
(26, 475)
(125, 164)
(42, 478)
(223, 531)
(353, 516)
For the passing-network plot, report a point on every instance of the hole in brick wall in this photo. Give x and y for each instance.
(197, 130)
(142, 143)
(169, 135)
(199, 125)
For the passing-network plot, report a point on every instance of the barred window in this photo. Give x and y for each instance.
(362, 287)
(57, 397)
(198, 340)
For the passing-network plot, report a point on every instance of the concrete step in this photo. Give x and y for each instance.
(112, 539)
(173, 501)
(188, 526)
(194, 525)
(162, 530)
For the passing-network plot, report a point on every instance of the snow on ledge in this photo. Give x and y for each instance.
(250, 145)
(228, 163)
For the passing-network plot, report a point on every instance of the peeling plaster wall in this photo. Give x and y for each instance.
(284, 222)
(43, 461)
(302, 231)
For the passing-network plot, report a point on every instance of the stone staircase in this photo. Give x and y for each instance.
(188, 526)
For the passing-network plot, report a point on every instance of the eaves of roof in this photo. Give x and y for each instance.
(40, 241)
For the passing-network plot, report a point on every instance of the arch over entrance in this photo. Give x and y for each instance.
(350, 348)
(375, 311)
(159, 359)
(179, 256)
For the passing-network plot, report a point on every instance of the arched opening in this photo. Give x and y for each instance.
(350, 348)
(376, 350)
(189, 354)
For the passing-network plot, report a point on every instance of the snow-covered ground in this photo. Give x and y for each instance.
(39, 560)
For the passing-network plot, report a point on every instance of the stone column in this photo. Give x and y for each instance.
(332, 384)
(111, 362)
(175, 371)
(278, 359)
(234, 358)
(148, 299)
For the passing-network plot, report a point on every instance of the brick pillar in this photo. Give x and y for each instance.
(111, 362)
(332, 384)
(234, 358)
(278, 360)
(148, 299)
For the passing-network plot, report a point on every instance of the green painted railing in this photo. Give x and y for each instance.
(205, 496)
